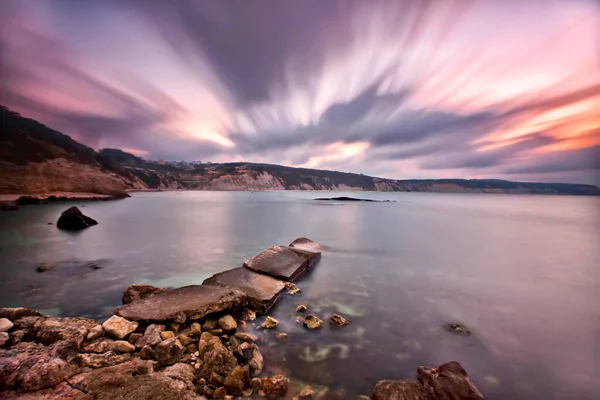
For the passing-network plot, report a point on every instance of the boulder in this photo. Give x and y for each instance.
(270, 323)
(119, 327)
(237, 380)
(313, 322)
(262, 290)
(137, 292)
(52, 330)
(168, 351)
(5, 324)
(74, 219)
(275, 386)
(121, 346)
(227, 324)
(303, 243)
(191, 302)
(338, 320)
(286, 263)
(152, 336)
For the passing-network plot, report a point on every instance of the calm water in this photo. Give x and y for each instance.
(522, 272)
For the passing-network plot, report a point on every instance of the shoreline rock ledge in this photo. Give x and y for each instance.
(188, 343)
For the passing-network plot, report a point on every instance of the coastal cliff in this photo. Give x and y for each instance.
(36, 159)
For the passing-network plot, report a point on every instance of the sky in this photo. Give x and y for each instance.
(399, 89)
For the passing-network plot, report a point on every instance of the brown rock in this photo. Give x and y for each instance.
(227, 324)
(167, 335)
(134, 337)
(17, 313)
(270, 323)
(281, 335)
(400, 390)
(181, 371)
(248, 314)
(5, 324)
(95, 333)
(168, 351)
(121, 346)
(220, 393)
(119, 327)
(146, 353)
(256, 383)
(247, 392)
(255, 360)
(338, 320)
(303, 243)
(191, 349)
(139, 292)
(52, 330)
(449, 381)
(280, 262)
(186, 340)
(107, 359)
(215, 356)
(97, 346)
(192, 302)
(291, 288)
(195, 329)
(313, 322)
(307, 393)
(237, 380)
(151, 336)
(275, 386)
(216, 332)
(210, 324)
(246, 337)
(457, 329)
(301, 308)
(216, 379)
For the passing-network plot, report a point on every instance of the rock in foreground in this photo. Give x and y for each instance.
(188, 302)
(448, 382)
(73, 219)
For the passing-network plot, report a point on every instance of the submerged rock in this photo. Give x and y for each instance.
(270, 323)
(345, 198)
(43, 267)
(457, 329)
(188, 302)
(119, 327)
(338, 320)
(307, 393)
(313, 322)
(275, 386)
(301, 308)
(399, 390)
(291, 288)
(139, 292)
(74, 219)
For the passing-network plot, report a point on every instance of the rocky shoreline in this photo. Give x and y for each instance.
(12, 202)
(193, 342)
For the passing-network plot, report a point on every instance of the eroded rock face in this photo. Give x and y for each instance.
(139, 292)
(189, 302)
(119, 327)
(73, 219)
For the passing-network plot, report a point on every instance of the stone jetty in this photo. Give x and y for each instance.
(182, 343)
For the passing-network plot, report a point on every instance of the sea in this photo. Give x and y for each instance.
(520, 272)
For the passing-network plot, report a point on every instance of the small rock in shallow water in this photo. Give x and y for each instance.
(307, 393)
(5, 324)
(291, 288)
(312, 322)
(275, 386)
(270, 323)
(301, 308)
(338, 320)
(281, 335)
(119, 327)
(43, 267)
(73, 219)
(457, 329)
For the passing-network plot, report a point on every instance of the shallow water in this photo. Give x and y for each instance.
(522, 272)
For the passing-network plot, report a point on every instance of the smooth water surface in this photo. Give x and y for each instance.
(522, 272)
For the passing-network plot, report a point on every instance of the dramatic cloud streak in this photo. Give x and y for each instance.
(400, 89)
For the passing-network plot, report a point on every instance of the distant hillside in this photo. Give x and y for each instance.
(38, 159)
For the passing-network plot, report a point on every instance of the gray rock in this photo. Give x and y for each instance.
(137, 292)
(168, 351)
(303, 243)
(151, 336)
(262, 290)
(74, 219)
(193, 302)
(121, 346)
(5, 324)
(119, 327)
(281, 262)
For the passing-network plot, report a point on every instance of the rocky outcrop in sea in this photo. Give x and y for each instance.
(193, 342)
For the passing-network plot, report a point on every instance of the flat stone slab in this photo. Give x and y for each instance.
(188, 302)
(262, 290)
(303, 243)
(281, 262)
